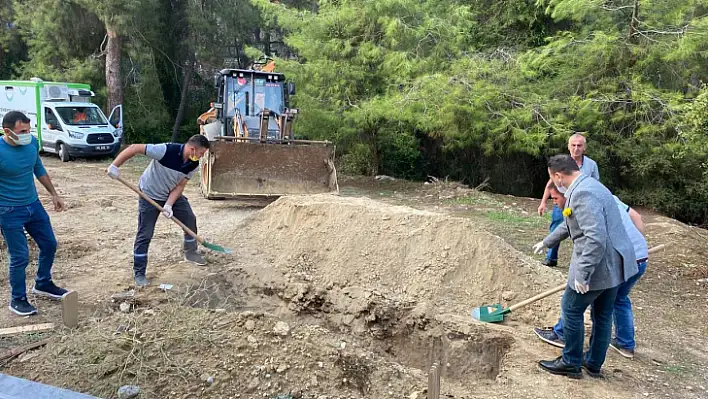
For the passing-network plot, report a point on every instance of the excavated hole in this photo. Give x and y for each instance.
(460, 355)
(212, 292)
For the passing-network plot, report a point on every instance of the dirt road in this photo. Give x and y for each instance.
(341, 297)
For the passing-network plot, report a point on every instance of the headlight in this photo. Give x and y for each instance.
(117, 132)
(76, 135)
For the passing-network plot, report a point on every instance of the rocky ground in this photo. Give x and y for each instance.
(353, 296)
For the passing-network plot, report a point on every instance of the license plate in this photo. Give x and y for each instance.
(103, 148)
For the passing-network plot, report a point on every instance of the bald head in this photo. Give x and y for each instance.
(576, 145)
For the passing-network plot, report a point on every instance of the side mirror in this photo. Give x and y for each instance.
(291, 88)
(217, 80)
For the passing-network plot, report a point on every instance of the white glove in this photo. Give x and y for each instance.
(539, 248)
(113, 172)
(581, 288)
(167, 211)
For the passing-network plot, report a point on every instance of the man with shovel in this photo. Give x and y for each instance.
(603, 258)
(576, 147)
(164, 180)
(623, 318)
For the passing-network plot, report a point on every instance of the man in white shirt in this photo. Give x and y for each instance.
(576, 147)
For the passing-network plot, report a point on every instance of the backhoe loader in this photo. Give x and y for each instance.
(254, 152)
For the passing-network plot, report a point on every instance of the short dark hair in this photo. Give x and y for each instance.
(199, 140)
(564, 164)
(9, 121)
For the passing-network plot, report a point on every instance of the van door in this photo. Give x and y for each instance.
(116, 121)
(51, 129)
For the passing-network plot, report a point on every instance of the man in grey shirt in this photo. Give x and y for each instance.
(576, 147)
(603, 258)
(164, 180)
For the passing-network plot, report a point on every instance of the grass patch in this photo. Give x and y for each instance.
(475, 200)
(510, 218)
(678, 369)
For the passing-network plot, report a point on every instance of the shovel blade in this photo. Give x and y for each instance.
(489, 314)
(217, 248)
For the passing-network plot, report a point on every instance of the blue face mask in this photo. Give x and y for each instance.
(22, 139)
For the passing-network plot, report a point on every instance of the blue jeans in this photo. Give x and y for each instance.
(14, 220)
(623, 316)
(556, 220)
(573, 307)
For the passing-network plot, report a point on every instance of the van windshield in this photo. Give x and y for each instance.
(81, 115)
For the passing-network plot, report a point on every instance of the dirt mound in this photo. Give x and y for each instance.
(418, 256)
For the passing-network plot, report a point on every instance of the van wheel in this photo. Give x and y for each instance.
(64, 153)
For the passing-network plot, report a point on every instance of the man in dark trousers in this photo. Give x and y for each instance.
(164, 180)
(20, 210)
(623, 342)
(603, 258)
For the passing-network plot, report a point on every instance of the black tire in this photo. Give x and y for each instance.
(64, 153)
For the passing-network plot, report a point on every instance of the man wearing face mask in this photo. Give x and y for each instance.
(20, 210)
(164, 180)
(576, 147)
(603, 258)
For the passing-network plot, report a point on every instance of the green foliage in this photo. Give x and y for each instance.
(474, 91)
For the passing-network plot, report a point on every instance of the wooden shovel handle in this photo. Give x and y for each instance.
(656, 248)
(156, 205)
(560, 288)
(537, 297)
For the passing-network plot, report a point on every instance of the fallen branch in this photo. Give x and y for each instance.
(22, 349)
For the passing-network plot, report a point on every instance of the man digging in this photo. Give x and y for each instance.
(576, 147)
(623, 342)
(20, 210)
(603, 258)
(164, 180)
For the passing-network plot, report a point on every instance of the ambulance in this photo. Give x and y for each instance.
(63, 118)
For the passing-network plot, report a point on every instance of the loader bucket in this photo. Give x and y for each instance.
(253, 169)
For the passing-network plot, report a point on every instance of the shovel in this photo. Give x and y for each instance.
(199, 239)
(495, 313)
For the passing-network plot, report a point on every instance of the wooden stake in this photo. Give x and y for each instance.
(70, 309)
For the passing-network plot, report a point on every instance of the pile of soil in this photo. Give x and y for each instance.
(447, 263)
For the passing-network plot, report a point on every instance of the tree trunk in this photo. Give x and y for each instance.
(634, 23)
(114, 83)
(186, 80)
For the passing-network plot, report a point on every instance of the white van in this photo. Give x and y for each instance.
(63, 119)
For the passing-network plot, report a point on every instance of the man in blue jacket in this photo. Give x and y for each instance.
(20, 210)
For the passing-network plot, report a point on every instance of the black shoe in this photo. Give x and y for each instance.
(549, 336)
(194, 257)
(594, 373)
(558, 367)
(550, 263)
(49, 290)
(21, 307)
